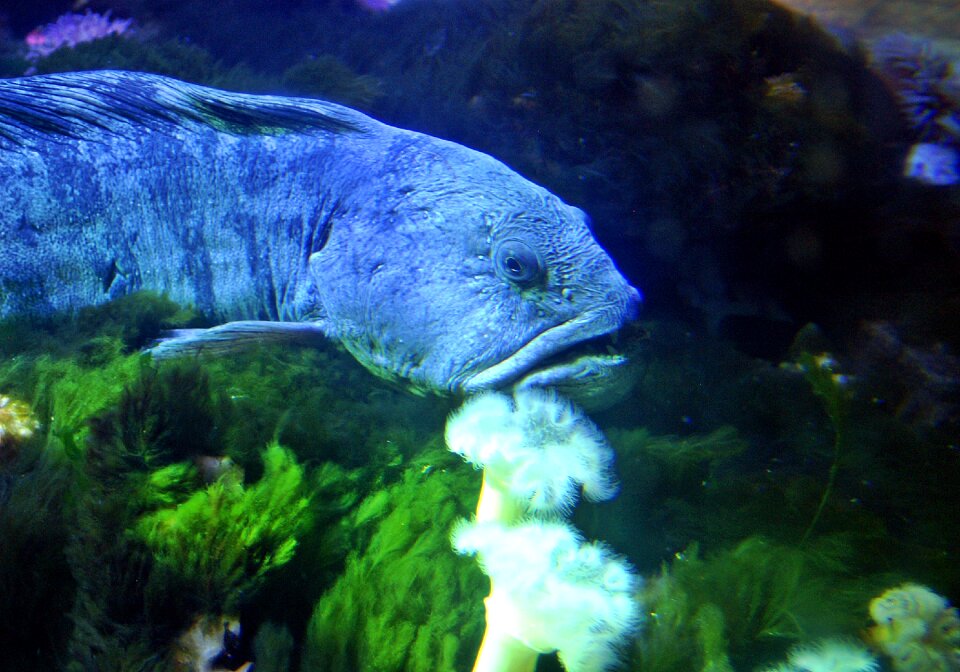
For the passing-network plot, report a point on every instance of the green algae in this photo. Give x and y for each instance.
(135, 542)
(36, 584)
(123, 526)
(72, 368)
(833, 390)
(711, 613)
(679, 455)
(273, 648)
(168, 413)
(173, 57)
(221, 541)
(405, 601)
(331, 79)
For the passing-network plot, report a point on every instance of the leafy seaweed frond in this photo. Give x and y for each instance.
(405, 601)
(834, 391)
(223, 540)
(680, 454)
(704, 611)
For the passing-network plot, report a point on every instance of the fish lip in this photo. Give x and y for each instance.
(545, 344)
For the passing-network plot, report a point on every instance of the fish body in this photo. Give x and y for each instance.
(432, 263)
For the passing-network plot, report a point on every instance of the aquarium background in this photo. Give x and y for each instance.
(779, 181)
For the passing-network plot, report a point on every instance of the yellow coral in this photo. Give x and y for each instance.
(917, 629)
(907, 601)
(16, 421)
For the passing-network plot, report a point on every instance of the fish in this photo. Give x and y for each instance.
(301, 221)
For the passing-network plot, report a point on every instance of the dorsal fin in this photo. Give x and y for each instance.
(84, 104)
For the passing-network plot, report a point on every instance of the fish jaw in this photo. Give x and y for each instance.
(523, 363)
(589, 369)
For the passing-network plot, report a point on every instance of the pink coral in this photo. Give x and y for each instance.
(70, 29)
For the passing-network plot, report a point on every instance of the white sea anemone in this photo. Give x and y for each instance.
(828, 655)
(538, 449)
(550, 592)
(832, 655)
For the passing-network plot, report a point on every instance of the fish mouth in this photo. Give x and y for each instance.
(551, 356)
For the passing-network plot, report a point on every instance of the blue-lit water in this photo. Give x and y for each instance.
(768, 455)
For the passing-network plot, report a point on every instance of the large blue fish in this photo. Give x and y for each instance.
(290, 218)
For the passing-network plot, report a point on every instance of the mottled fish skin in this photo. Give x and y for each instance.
(433, 264)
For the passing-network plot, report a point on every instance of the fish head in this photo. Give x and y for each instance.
(471, 277)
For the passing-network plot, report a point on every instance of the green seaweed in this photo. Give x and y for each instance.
(679, 455)
(130, 322)
(167, 414)
(273, 648)
(135, 319)
(117, 624)
(330, 78)
(834, 392)
(172, 57)
(404, 601)
(223, 540)
(707, 613)
(36, 585)
(321, 402)
(118, 545)
(668, 477)
(709, 624)
(70, 394)
(74, 367)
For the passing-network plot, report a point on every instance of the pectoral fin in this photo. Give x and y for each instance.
(233, 336)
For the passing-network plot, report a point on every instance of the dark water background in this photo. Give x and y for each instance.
(744, 166)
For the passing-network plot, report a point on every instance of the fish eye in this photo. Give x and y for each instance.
(517, 262)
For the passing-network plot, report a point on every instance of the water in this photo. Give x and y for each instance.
(778, 180)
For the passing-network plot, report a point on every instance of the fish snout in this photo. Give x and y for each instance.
(634, 302)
